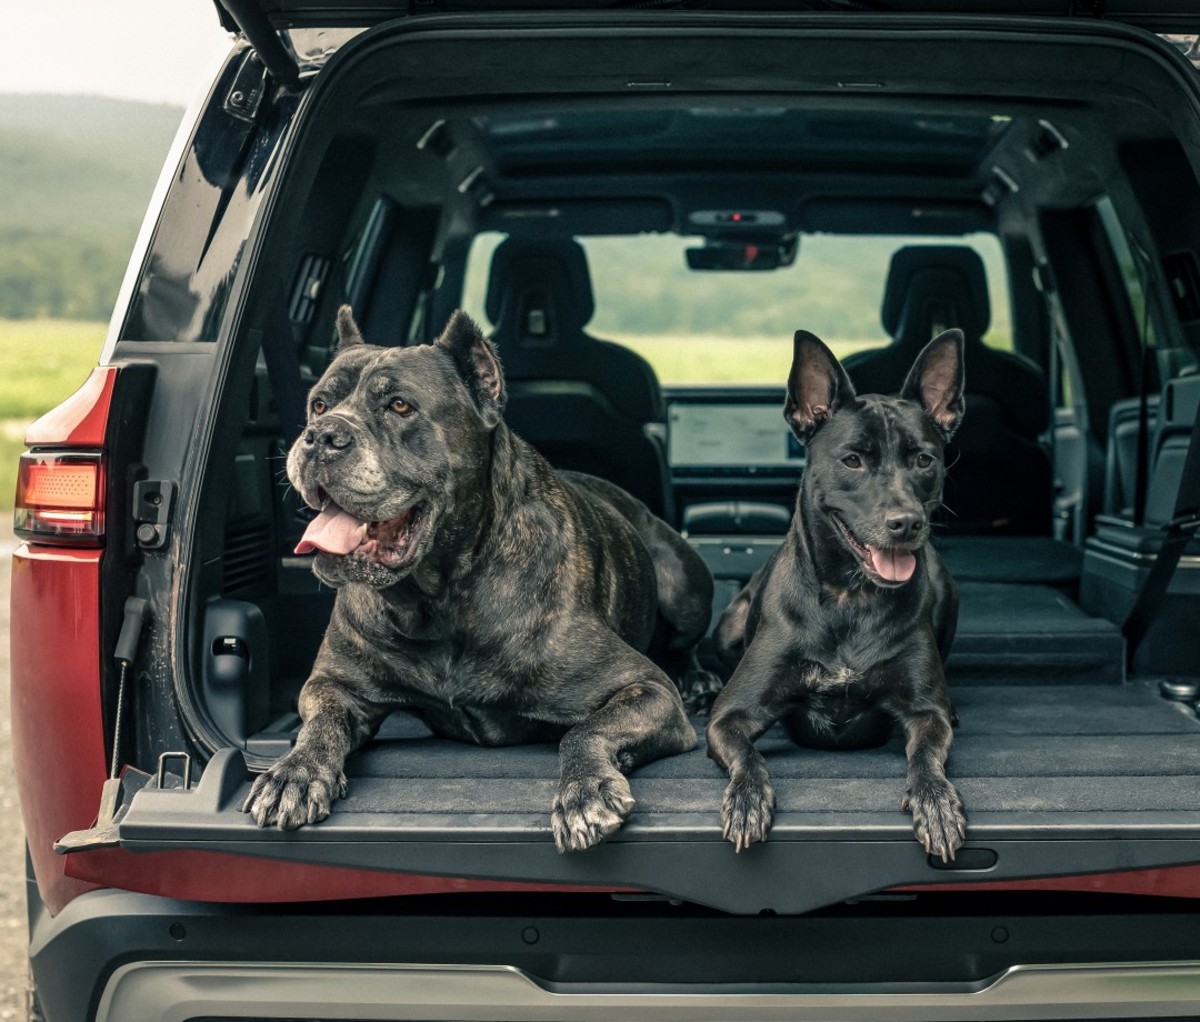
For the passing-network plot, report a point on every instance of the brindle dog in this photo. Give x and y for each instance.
(846, 628)
(496, 599)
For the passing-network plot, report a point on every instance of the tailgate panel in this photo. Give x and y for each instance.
(1057, 780)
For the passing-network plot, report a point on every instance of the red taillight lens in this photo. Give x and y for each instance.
(60, 497)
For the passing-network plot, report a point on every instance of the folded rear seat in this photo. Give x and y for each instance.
(1029, 560)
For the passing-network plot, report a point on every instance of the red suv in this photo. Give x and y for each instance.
(1024, 171)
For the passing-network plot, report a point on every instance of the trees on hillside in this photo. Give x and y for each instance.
(51, 275)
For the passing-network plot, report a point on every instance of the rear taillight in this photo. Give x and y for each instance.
(60, 497)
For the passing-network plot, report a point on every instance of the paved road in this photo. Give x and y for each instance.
(13, 955)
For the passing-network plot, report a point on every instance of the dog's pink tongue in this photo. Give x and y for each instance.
(893, 565)
(333, 531)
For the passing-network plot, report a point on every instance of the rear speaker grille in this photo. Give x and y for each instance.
(247, 557)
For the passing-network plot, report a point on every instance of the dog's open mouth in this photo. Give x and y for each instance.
(390, 543)
(888, 565)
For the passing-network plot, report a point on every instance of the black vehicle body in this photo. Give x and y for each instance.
(353, 154)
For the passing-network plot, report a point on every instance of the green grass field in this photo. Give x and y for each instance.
(41, 363)
(720, 359)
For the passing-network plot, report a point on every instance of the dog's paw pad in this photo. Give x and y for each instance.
(747, 812)
(586, 812)
(294, 792)
(939, 820)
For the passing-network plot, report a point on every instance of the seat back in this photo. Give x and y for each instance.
(1172, 436)
(1121, 453)
(1000, 478)
(582, 402)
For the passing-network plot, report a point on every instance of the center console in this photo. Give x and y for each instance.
(735, 465)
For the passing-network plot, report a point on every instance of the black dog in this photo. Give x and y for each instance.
(496, 599)
(846, 628)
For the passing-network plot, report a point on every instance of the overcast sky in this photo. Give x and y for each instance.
(156, 50)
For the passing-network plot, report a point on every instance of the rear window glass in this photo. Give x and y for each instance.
(713, 327)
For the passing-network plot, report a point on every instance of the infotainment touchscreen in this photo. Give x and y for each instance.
(732, 437)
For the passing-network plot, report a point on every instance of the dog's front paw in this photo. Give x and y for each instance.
(586, 811)
(295, 791)
(747, 811)
(699, 688)
(939, 820)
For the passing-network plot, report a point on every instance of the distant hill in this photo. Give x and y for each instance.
(76, 175)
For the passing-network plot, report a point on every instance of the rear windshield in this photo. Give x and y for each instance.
(713, 327)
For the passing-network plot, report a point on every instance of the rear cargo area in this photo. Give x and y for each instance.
(1058, 758)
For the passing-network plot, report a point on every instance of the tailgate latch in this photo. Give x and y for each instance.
(153, 506)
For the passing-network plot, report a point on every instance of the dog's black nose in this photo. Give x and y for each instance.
(335, 436)
(904, 526)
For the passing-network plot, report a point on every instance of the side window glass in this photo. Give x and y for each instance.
(479, 261)
(1170, 361)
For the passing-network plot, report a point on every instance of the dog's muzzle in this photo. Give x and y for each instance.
(891, 565)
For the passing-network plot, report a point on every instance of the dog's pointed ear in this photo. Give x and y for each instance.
(478, 364)
(817, 385)
(936, 382)
(347, 330)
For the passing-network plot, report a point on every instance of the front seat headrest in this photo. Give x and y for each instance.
(539, 288)
(942, 283)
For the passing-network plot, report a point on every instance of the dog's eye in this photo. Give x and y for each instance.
(852, 461)
(319, 407)
(924, 460)
(400, 406)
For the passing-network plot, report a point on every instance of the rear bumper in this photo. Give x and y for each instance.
(115, 956)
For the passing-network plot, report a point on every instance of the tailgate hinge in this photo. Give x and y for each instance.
(272, 50)
(245, 94)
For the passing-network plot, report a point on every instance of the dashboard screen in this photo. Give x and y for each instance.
(731, 436)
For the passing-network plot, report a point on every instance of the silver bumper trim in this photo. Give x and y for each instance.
(179, 991)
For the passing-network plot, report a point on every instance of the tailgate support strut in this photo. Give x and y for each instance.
(118, 791)
(255, 26)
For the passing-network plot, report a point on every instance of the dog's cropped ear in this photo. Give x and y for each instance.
(477, 363)
(347, 330)
(817, 385)
(936, 382)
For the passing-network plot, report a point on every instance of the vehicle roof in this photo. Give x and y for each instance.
(1155, 15)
